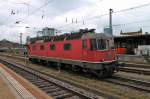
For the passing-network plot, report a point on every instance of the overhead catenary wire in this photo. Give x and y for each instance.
(141, 21)
(132, 8)
(36, 10)
(114, 12)
(33, 12)
(88, 19)
(123, 10)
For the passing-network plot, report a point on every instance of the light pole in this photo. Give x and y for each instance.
(21, 39)
(110, 20)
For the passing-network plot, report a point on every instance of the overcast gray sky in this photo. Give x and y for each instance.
(55, 12)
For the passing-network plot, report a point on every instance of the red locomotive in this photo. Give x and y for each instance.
(85, 51)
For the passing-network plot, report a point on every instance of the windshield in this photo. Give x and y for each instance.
(98, 44)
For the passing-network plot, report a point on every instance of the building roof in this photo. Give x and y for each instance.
(8, 44)
(133, 36)
(132, 33)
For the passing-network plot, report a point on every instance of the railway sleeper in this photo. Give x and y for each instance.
(49, 90)
(54, 87)
(37, 81)
(60, 92)
(43, 86)
(32, 79)
(40, 83)
(63, 96)
(74, 97)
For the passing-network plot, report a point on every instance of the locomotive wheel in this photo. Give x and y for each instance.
(103, 73)
(32, 60)
(76, 68)
(98, 73)
(43, 62)
(110, 72)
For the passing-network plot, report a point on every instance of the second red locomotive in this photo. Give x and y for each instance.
(84, 51)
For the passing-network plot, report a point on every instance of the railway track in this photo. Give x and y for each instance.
(132, 68)
(130, 82)
(134, 65)
(135, 70)
(55, 88)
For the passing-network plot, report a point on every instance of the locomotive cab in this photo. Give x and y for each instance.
(101, 51)
(102, 48)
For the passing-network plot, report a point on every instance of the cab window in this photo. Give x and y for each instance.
(67, 46)
(84, 44)
(93, 44)
(98, 44)
(52, 47)
(108, 44)
(101, 44)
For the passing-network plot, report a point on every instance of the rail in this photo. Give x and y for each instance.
(55, 88)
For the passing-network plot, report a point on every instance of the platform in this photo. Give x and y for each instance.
(5, 91)
(13, 86)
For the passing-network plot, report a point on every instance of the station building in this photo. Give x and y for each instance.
(129, 42)
(12, 47)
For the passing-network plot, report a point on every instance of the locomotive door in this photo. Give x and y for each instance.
(84, 49)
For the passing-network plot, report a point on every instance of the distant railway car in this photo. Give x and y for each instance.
(121, 50)
(85, 51)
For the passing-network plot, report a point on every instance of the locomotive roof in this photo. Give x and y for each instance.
(72, 36)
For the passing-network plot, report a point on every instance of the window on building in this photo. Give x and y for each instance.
(93, 44)
(42, 47)
(84, 44)
(67, 46)
(52, 46)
